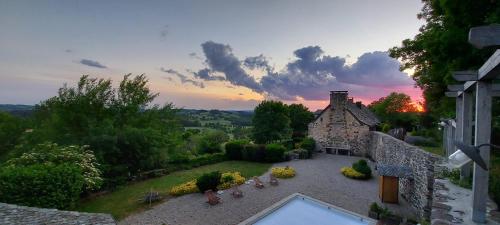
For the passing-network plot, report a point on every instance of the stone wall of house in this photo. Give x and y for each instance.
(320, 129)
(358, 135)
(418, 191)
(353, 131)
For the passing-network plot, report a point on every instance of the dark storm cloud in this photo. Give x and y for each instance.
(309, 76)
(92, 63)
(183, 78)
(257, 62)
(205, 74)
(220, 58)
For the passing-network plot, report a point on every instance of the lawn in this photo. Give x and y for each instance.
(435, 150)
(124, 201)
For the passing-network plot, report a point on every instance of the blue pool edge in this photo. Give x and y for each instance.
(255, 218)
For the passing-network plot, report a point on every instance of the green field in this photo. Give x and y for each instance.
(125, 200)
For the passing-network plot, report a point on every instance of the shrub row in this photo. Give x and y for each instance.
(42, 185)
(242, 150)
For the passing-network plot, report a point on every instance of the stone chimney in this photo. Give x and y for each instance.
(338, 99)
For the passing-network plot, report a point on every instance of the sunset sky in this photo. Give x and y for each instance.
(208, 54)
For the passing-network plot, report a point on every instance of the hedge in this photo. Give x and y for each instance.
(234, 149)
(42, 185)
(275, 153)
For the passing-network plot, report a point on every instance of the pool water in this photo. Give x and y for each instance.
(301, 210)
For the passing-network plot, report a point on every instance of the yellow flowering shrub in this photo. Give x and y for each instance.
(283, 172)
(229, 178)
(352, 173)
(185, 188)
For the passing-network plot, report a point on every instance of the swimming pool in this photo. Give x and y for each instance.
(298, 209)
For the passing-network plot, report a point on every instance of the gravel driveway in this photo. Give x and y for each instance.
(318, 177)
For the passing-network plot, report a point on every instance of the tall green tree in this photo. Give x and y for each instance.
(300, 117)
(442, 46)
(397, 110)
(271, 122)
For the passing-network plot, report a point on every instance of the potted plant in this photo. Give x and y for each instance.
(375, 211)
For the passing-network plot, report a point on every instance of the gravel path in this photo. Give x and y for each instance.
(319, 178)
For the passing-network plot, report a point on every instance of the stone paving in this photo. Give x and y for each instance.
(319, 178)
(452, 205)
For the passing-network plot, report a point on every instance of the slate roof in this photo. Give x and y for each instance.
(360, 112)
(15, 214)
(394, 171)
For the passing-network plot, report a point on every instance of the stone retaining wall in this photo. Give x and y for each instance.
(418, 192)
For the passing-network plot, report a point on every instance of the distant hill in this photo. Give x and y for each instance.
(17, 110)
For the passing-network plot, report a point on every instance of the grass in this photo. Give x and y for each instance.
(435, 150)
(125, 200)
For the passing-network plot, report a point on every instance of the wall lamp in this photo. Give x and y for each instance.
(466, 153)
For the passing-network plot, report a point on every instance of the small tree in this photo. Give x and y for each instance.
(300, 117)
(271, 122)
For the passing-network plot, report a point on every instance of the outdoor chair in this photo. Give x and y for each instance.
(212, 198)
(237, 193)
(258, 183)
(272, 180)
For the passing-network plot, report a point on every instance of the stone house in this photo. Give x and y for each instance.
(343, 126)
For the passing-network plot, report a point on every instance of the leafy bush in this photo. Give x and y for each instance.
(374, 207)
(234, 149)
(308, 144)
(385, 127)
(51, 153)
(211, 142)
(352, 173)
(362, 167)
(275, 152)
(42, 185)
(229, 178)
(283, 172)
(208, 181)
(303, 154)
(185, 188)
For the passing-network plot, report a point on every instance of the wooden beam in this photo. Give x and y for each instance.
(482, 135)
(485, 36)
(467, 75)
(455, 87)
(491, 68)
(453, 94)
(469, 84)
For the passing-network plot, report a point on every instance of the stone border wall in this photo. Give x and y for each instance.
(418, 192)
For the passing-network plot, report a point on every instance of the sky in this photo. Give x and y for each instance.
(209, 54)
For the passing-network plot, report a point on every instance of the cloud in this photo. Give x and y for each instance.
(205, 74)
(195, 56)
(309, 76)
(164, 32)
(183, 78)
(220, 58)
(257, 62)
(92, 63)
